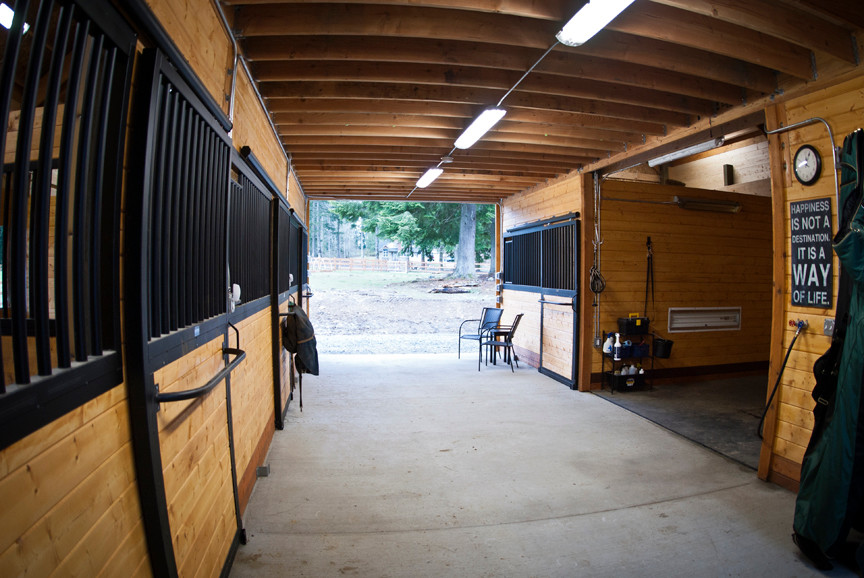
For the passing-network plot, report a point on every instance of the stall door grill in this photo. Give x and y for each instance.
(283, 265)
(186, 244)
(249, 234)
(544, 257)
(64, 90)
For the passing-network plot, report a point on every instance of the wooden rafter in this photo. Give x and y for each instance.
(367, 95)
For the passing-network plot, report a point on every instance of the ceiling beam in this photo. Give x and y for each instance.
(396, 21)
(479, 97)
(690, 29)
(417, 51)
(794, 26)
(484, 78)
(546, 10)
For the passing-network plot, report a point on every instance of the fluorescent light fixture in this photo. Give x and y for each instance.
(6, 16)
(429, 177)
(591, 19)
(481, 125)
(686, 152)
(710, 205)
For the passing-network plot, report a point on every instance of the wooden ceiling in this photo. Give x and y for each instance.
(367, 96)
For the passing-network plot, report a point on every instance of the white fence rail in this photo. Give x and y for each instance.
(323, 264)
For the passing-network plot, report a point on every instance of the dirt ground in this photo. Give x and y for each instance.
(368, 313)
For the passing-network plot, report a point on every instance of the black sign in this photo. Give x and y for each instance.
(812, 259)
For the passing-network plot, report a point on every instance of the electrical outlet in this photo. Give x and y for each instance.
(828, 327)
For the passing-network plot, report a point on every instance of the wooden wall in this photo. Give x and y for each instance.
(70, 501)
(789, 425)
(196, 29)
(252, 400)
(252, 129)
(559, 197)
(196, 464)
(701, 259)
(296, 197)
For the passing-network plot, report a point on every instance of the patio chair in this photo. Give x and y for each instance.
(489, 319)
(506, 333)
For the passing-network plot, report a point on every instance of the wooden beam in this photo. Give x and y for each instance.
(794, 26)
(295, 110)
(445, 145)
(396, 21)
(692, 61)
(416, 51)
(546, 10)
(694, 30)
(462, 95)
(484, 78)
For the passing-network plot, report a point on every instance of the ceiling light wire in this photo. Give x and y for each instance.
(512, 88)
(527, 72)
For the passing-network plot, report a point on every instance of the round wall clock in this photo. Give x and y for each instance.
(807, 165)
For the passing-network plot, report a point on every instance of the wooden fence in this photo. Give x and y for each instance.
(324, 264)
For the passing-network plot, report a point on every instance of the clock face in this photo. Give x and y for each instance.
(807, 165)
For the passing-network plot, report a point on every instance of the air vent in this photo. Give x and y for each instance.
(687, 319)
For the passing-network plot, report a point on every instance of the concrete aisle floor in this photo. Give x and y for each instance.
(418, 465)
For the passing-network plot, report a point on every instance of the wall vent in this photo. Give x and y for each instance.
(688, 319)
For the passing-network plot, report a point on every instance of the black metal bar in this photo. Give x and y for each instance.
(97, 299)
(80, 262)
(157, 246)
(170, 396)
(182, 193)
(198, 215)
(175, 199)
(64, 185)
(19, 194)
(10, 65)
(206, 267)
(41, 197)
(143, 420)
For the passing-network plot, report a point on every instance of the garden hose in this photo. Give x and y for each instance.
(800, 325)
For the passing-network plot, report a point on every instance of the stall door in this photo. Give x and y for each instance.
(559, 320)
(176, 320)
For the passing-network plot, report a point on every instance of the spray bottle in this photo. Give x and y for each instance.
(617, 348)
(607, 345)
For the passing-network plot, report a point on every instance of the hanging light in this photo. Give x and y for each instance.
(591, 19)
(481, 125)
(429, 177)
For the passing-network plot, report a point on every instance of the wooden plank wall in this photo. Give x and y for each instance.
(558, 339)
(196, 29)
(70, 501)
(559, 197)
(252, 400)
(701, 259)
(255, 132)
(792, 423)
(296, 197)
(196, 464)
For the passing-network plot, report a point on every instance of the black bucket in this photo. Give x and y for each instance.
(662, 347)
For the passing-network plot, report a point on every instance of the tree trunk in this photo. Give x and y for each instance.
(465, 256)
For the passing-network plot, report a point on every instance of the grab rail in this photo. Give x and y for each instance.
(199, 391)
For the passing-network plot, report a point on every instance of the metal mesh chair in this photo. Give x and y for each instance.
(489, 320)
(506, 333)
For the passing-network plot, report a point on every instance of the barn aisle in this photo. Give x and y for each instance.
(419, 465)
